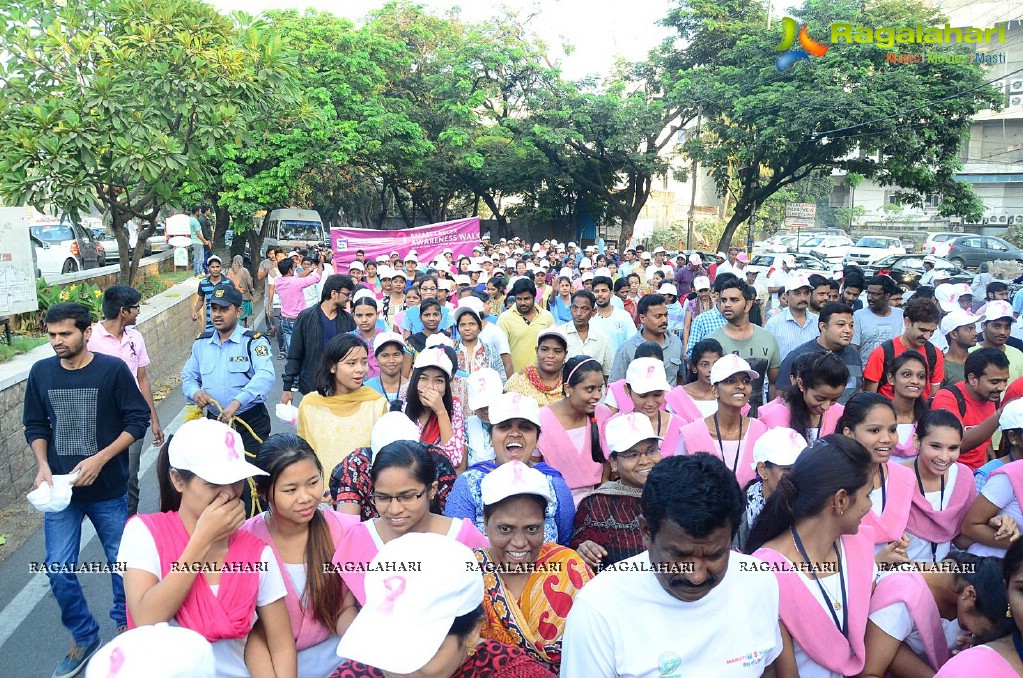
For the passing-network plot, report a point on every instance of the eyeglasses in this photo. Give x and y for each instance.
(648, 452)
(404, 499)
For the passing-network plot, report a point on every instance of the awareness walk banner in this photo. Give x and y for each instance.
(428, 241)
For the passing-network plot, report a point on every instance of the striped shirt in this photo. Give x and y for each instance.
(789, 333)
(705, 323)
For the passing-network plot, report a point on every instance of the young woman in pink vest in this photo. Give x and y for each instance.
(810, 533)
(1004, 656)
(617, 398)
(303, 537)
(908, 376)
(646, 385)
(868, 418)
(993, 521)
(944, 488)
(405, 487)
(570, 430)
(926, 612)
(192, 566)
(810, 406)
(696, 399)
(728, 434)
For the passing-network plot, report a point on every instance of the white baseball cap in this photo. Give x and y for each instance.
(779, 446)
(158, 650)
(435, 340)
(211, 450)
(464, 308)
(948, 298)
(1011, 416)
(623, 431)
(445, 284)
(433, 357)
(394, 253)
(484, 386)
(414, 252)
(998, 309)
(730, 364)
(385, 272)
(645, 375)
(645, 255)
(566, 273)
(587, 275)
(602, 271)
(571, 244)
(930, 259)
(356, 265)
(660, 250)
(508, 406)
(965, 289)
(554, 331)
(411, 257)
(797, 281)
(387, 338)
(668, 288)
(511, 479)
(398, 273)
(363, 294)
(462, 279)
(958, 318)
(695, 259)
(701, 283)
(389, 428)
(942, 274)
(447, 250)
(585, 263)
(471, 303)
(418, 606)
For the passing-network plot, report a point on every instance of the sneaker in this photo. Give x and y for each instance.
(281, 356)
(75, 660)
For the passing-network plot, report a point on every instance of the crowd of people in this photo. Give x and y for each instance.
(548, 460)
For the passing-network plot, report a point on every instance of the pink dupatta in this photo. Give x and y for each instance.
(697, 438)
(977, 662)
(622, 399)
(776, 414)
(900, 486)
(1014, 469)
(810, 624)
(911, 589)
(578, 468)
(306, 628)
(228, 614)
(680, 403)
(941, 526)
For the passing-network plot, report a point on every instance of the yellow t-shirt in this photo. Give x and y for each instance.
(336, 425)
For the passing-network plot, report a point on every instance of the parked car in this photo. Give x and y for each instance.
(806, 264)
(870, 248)
(77, 248)
(906, 269)
(970, 251)
(831, 248)
(109, 244)
(937, 243)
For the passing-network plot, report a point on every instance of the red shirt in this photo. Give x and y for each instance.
(875, 368)
(1014, 392)
(976, 412)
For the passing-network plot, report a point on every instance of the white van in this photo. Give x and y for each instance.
(290, 228)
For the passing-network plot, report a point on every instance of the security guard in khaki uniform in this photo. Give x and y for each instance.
(232, 365)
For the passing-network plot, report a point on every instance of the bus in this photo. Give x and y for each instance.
(291, 228)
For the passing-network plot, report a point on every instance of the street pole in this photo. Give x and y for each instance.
(692, 179)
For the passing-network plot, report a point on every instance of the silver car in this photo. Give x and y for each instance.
(71, 248)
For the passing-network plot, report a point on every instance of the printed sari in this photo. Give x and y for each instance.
(535, 622)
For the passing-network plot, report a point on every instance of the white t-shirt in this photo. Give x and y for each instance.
(623, 623)
(270, 277)
(138, 551)
(998, 491)
(920, 549)
(905, 432)
(896, 621)
(496, 338)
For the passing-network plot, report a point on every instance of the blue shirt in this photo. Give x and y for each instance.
(328, 327)
(229, 370)
(413, 324)
(206, 287)
(981, 475)
(789, 333)
(705, 323)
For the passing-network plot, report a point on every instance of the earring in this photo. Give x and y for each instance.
(1008, 612)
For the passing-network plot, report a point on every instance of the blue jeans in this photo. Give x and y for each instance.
(287, 327)
(198, 258)
(273, 319)
(63, 533)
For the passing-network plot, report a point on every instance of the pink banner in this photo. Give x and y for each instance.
(428, 241)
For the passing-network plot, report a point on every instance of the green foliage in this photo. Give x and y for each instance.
(19, 345)
(86, 294)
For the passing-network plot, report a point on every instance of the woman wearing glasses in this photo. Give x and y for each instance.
(405, 487)
(607, 526)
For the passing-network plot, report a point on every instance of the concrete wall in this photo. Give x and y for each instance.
(165, 322)
(106, 276)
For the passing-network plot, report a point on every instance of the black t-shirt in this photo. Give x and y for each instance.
(207, 226)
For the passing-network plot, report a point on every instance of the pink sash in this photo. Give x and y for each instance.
(306, 628)
(558, 450)
(942, 526)
(977, 662)
(909, 449)
(683, 405)
(228, 614)
(622, 399)
(1014, 469)
(900, 487)
(911, 589)
(776, 415)
(697, 438)
(358, 548)
(672, 434)
(810, 624)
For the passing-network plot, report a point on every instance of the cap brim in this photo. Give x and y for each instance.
(221, 302)
(633, 444)
(369, 641)
(228, 474)
(753, 374)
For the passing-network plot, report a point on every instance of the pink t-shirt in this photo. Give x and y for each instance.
(131, 347)
(289, 289)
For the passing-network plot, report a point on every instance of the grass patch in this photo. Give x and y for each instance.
(20, 344)
(154, 285)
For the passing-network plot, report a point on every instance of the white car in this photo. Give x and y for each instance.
(805, 265)
(831, 248)
(69, 248)
(939, 244)
(870, 248)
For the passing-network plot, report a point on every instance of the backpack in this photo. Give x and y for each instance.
(888, 347)
(960, 398)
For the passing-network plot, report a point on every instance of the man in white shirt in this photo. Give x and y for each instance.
(777, 276)
(687, 605)
(583, 339)
(795, 325)
(614, 323)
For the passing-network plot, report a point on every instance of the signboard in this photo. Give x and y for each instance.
(429, 242)
(17, 270)
(801, 211)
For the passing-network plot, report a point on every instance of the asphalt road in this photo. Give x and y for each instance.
(32, 639)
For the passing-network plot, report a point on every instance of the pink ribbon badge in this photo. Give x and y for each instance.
(395, 588)
(116, 662)
(518, 469)
(232, 453)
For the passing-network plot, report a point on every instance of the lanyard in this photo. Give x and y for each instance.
(384, 389)
(884, 490)
(844, 625)
(721, 445)
(659, 428)
(941, 500)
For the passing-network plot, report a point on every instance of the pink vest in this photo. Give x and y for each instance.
(977, 662)
(1014, 469)
(698, 438)
(682, 404)
(306, 628)
(911, 589)
(899, 489)
(942, 526)
(359, 548)
(228, 614)
(776, 415)
(672, 434)
(810, 624)
(622, 398)
(558, 450)
(907, 450)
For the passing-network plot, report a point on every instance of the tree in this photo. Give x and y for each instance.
(119, 102)
(900, 126)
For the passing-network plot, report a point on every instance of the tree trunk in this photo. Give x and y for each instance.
(741, 214)
(221, 223)
(117, 220)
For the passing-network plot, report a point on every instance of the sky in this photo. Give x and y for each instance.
(599, 30)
